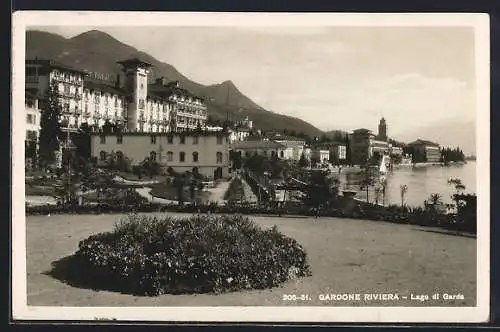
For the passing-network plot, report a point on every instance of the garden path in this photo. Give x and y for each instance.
(144, 192)
(217, 193)
(249, 195)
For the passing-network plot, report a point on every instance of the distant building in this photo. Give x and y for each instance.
(264, 147)
(425, 151)
(33, 115)
(205, 152)
(338, 152)
(360, 143)
(382, 130)
(320, 154)
(396, 151)
(239, 134)
(294, 145)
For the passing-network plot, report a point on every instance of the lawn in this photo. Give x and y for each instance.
(346, 256)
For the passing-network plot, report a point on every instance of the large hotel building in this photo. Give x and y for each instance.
(133, 102)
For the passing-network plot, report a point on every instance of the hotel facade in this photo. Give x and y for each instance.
(130, 101)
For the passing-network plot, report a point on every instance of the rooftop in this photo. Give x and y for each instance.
(362, 131)
(101, 86)
(261, 144)
(423, 142)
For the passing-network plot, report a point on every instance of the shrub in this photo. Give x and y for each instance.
(152, 256)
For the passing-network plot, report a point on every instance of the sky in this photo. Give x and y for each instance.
(333, 77)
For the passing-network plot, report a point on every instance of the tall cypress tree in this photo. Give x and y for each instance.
(50, 129)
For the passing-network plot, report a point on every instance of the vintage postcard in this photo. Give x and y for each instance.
(250, 167)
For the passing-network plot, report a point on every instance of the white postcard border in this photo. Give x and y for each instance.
(480, 313)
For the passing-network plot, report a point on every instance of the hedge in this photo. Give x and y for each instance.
(146, 255)
(394, 214)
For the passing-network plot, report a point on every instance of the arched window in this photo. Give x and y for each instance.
(152, 156)
(282, 154)
(102, 155)
(195, 157)
(182, 156)
(170, 156)
(218, 156)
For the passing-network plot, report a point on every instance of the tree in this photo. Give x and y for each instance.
(50, 128)
(179, 184)
(435, 200)
(459, 186)
(82, 141)
(368, 179)
(321, 189)
(378, 192)
(348, 159)
(236, 159)
(30, 151)
(303, 161)
(383, 185)
(404, 189)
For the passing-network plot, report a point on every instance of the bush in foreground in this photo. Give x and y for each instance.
(151, 256)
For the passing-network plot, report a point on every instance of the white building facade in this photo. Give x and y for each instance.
(207, 152)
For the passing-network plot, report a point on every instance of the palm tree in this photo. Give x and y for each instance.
(404, 190)
(459, 186)
(435, 199)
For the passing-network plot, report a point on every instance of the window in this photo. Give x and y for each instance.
(29, 118)
(170, 156)
(102, 155)
(153, 139)
(103, 139)
(183, 140)
(141, 103)
(282, 154)
(195, 157)
(182, 156)
(119, 155)
(119, 139)
(219, 139)
(195, 140)
(152, 156)
(218, 156)
(170, 139)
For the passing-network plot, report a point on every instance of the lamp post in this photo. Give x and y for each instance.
(67, 147)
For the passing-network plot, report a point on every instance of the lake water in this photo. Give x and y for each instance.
(421, 181)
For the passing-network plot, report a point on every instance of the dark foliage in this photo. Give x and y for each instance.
(200, 254)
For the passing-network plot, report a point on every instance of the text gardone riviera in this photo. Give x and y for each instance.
(388, 297)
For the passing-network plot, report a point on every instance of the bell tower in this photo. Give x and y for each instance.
(382, 130)
(135, 83)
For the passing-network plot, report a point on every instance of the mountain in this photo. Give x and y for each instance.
(98, 52)
(450, 133)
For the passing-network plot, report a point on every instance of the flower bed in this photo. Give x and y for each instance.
(200, 254)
